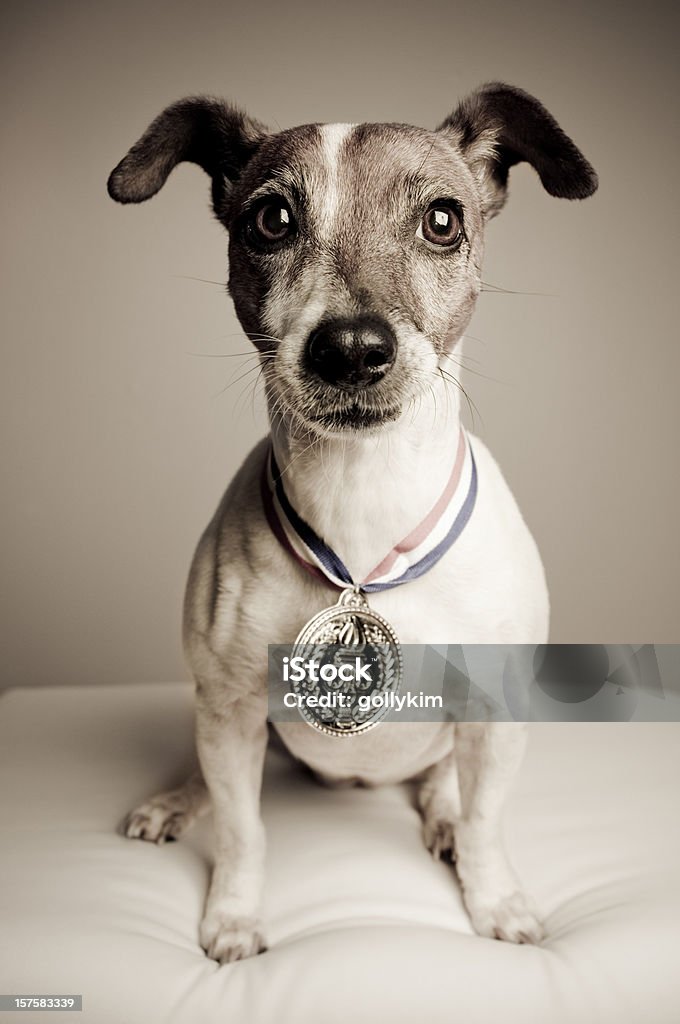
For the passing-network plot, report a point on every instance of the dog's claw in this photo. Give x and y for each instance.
(511, 919)
(439, 839)
(231, 939)
(156, 822)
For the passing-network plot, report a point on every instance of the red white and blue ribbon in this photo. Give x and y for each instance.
(409, 559)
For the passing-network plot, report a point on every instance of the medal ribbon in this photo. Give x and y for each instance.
(408, 559)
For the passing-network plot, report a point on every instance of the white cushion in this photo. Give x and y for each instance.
(363, 925)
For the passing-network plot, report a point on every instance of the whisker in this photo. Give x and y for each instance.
(472, 408)
(250, 386)
(434, 401)
(461, 355)
(203, 280)
(299, 455)
(259, 381)
(496, 289)
(232, 383)
(425, 159)
(477, 373)
(232, 355)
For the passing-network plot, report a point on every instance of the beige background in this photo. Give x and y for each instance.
(119, 438)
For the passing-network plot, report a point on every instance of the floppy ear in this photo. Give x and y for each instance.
(499, 126)
(204, 131)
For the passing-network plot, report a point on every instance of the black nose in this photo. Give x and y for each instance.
(352, 353)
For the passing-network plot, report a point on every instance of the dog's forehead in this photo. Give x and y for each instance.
(358, 160)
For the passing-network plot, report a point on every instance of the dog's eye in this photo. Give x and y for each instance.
(272, 222)
(441, 226)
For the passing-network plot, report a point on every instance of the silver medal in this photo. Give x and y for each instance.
(358, 665)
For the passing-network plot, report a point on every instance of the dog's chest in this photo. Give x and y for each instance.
(391, 752)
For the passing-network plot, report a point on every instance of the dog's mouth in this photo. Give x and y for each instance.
(355, 416)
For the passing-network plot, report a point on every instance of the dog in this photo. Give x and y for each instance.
(355, 254)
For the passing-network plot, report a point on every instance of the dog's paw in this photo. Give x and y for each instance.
(511, 918)
(158, 820)
(226, 939)
(438, 834)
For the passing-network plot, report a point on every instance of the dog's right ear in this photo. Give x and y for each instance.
(202, 130)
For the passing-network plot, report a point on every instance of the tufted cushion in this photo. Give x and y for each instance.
(362, 924)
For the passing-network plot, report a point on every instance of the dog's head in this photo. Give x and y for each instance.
(355, 250)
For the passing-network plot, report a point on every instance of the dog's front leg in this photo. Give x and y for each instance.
(231, 740)
(488, 756)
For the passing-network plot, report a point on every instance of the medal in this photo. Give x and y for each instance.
(364, 663)
(356, 652)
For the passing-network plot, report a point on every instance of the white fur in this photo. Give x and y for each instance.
(327, 199)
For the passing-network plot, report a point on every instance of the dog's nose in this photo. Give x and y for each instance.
(352, 353)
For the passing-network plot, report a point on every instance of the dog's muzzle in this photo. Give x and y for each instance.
(351, 353)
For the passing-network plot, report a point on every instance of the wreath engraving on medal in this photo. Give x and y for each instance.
(356, 665)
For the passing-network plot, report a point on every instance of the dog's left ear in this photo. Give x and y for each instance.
(499, 126)
(205, 131)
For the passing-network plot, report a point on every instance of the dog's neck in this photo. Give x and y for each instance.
(363, 494)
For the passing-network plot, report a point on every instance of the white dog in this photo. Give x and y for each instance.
(355, 258)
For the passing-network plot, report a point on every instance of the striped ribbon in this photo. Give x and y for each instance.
(407, 560)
